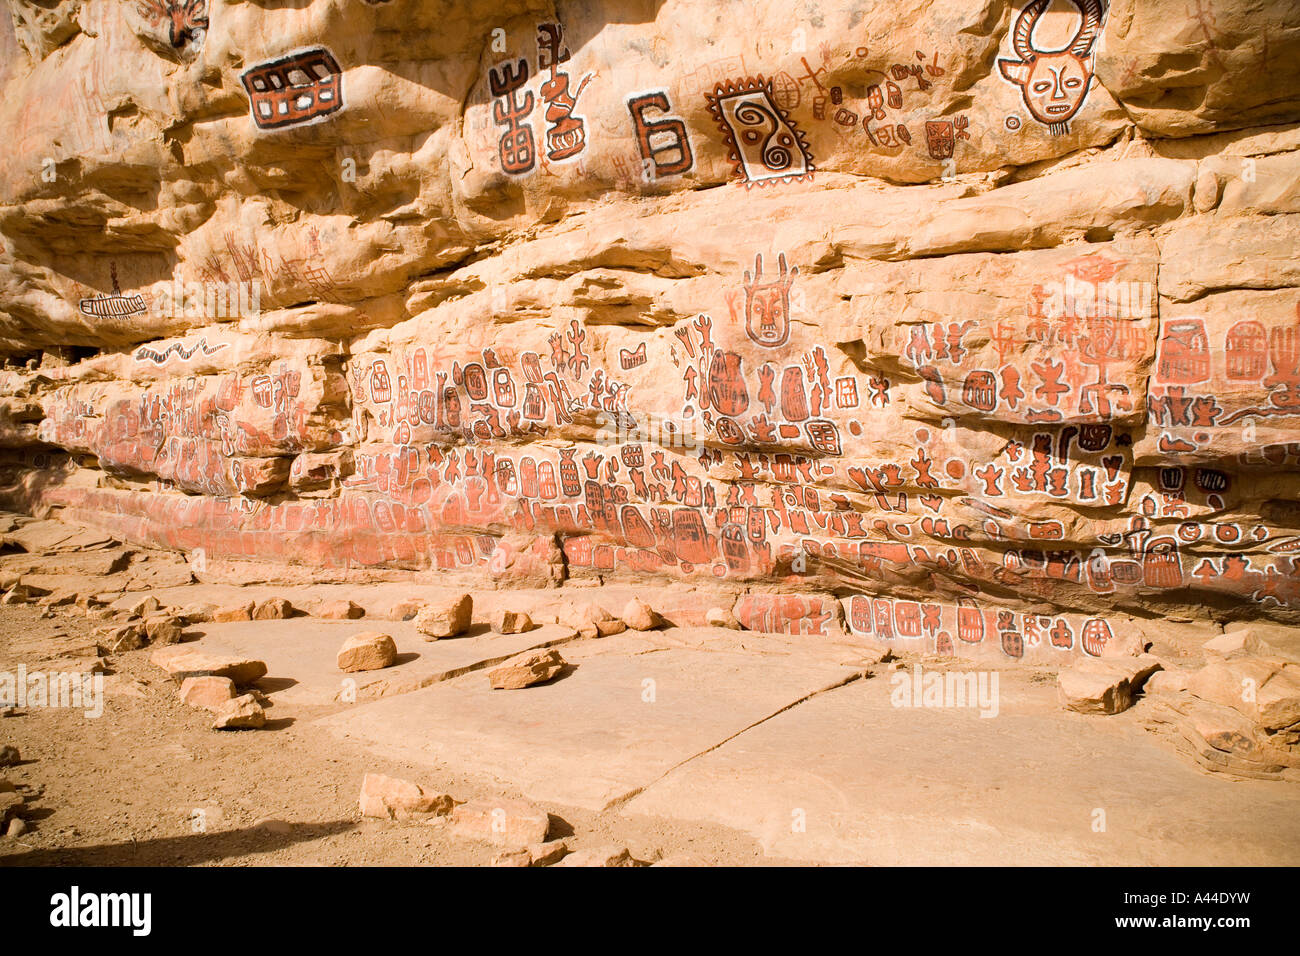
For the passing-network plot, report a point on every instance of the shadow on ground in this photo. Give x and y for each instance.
(188, 850)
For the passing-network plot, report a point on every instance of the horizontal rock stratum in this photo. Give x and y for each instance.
(981, 318)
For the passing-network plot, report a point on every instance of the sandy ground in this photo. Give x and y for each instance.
(151, 784)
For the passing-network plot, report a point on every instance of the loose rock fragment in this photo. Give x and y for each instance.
(145, 607)
(534, 667)
(9, 756)
(390, 798)
(368, 651)
(210, 693)
(640, 616)
(125, 637)
(511, 822)
(445, 618)
(163, 629)
(592, 620)
(340, 610)
(511, 622)
(183, 661)
(237, 612)
(601, 856)
(519, 857)
(404, 610)
(197, 613)
(241, 713)
(273, 609)
(535, 854)
(547, 854)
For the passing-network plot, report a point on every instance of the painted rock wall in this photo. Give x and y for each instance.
(981, 318)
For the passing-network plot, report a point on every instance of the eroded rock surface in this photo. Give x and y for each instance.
(992, 363)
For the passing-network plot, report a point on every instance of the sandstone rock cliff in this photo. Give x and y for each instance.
(980, 317)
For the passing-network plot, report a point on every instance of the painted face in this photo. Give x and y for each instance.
(766, 312)
(1053, 83)
(767, 304)
(1055, 86)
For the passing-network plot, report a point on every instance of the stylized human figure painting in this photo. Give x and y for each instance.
(1053, 83)
(767, 304)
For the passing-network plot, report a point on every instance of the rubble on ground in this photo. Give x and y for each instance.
(446, 617)
(525, 670)
(368, 651)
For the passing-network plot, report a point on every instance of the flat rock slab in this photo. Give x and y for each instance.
(629, 710)
(49, 535)
(301, 655)
(846, 777)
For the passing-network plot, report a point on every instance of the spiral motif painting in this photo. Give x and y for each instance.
(764, 144)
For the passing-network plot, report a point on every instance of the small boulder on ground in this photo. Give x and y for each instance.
(510, 622)
(533, 667)
(235, 612)
(404, 610)
(501, 821)
(592, 620)
(601, 856)
(9, 756)
(640, 616)
(198, 613)
(339, 610)
(535, 854)
(273, 609)
(210, 693)
(389, 798)
(1104, 686)
(163, 629)
(240, 713)
(145, 606)
(368, 651)
(239, 611)
(445, 618)
(18, 594)
(184, 661)
(124, 637)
